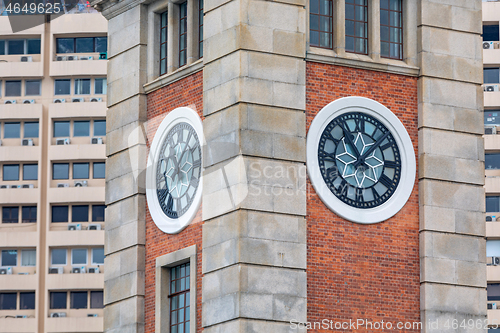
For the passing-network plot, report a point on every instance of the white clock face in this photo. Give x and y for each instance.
(174, 171)
(360, 160)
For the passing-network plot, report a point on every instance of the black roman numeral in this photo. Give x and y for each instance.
(360, 125)
(386, 181)
(387, 145)
(390, 164)
(359, 195)
(326, 156)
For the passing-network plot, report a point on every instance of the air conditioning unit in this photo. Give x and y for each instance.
(103, 55)
(61, 58)
(86, 58)
(490, 130)
(94, 226)
(70, 58)
(487, 45)
(27, 186)
(78, 270)
(94, 270)
(59, 100)
(95, 99)
(21, 316)
(63, 141)
(5, 270)
(92, 315)
(77, 100)
(10, 101)
(62, 185)
(27, 142)
(96, 140)
(81, 183)
(495, 261)
(488, 219)
(15, 186)
(24, 273)
(26, 59)
(490, 87)
(492, 306)
(28, 101)
(74, 226)
(57, 314)
(56, 270)
(4, 186)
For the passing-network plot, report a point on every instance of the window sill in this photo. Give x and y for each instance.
(177, 75)
(361, 61)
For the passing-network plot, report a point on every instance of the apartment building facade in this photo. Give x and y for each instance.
(275, 164)
(52, 173)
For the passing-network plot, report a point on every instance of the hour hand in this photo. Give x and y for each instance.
(347, 135)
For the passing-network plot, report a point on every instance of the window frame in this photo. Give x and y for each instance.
(65, 257)
(51, 300)
(30, 219)
(3, 172)
(400, 29)
(52, 214)
(86, 257)
(26, 293)
(366, 24)
(75, 292)
(1, 301)
(62, 80)
(92, 262)
(2, 264)
(53, 171)
(10, 219)
(20, 88)
(22, 257)
(32, 81)
(30, 165)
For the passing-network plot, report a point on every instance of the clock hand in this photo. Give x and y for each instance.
(372, 148)
(347, 135)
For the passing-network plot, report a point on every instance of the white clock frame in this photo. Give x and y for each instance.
(408, 164)
(163, 222)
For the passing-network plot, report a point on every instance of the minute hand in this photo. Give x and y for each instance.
(369, 151)
(347, 135)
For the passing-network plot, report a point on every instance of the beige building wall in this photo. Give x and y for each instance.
(44, 235)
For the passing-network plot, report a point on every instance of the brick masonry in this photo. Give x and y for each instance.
(186, 92)
(357, 271)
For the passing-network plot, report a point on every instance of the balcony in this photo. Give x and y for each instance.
(77, 152)
(86, 281)
(75, 194)
(80, 237)
(79, 67)
(85, 109)
(491, 56)
(492, 185)
(12, 67)
(19, 282)
(19, 195)
(74, 324)
(19, 153)
(20, 111)
(15, 325)
(19, 238)
(492, 98)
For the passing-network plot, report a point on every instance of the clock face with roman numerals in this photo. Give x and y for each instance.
(178, 170)
(359, 160)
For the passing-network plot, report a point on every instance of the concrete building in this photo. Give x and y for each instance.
(262, 166)
(52, 162)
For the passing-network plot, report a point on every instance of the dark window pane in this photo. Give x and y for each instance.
(98, 213)
(31, 129)
(59, 213)
(490, 33)
(101, 44)
(163, 42)
(58, 300)
(58, 257)
(15, 46)
(96, 300)
(61, 129)
(492, 161)
(34, 46)
(79, 256)
(12, 88)
(491, 75)
(99, 127)
(8, 301)
(85, 45)
(78, 299)
(2, 47)
(12, 130)
(493, 291)
(65, 45)
(60, 171)
(29, 214)
(100, 87)
(80, 171)
(11, 172)
(98, 256)
(81, 128)
(62, 87)
(80, 213)
(492, 204)
(30, 171)
(99, 170)
(33, 87)
(10, 214)
(82, 86)
(27, 301)
(9, 258)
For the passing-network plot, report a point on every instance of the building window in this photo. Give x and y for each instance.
(59, 213)
(492, 204)
(20, 46)
(33, 87)
(11, 172)
(12, 88)
(97, 300)
(179, 298)
(182, 34)
(98, 256)
(492, 161)
(391, 29)
(321, 23)
(81, 128)
(58, 257)
(80, 171)
(28, 258)
(99, 127)
(79, 213)
(491, 75)
(31, 129)
(60, 171)
(9, 258)
(30, 171)
(82, 86)
(98, 213)
(61, 129)
(58, 300)
(8, 301)
(15, 46)
(200, 29)
(10, 214)
(79, 257)
(62, 87)
(82, 45)
(29, 214)
(33, 46)
(12, 130)
(27, 301)
(356, 26)
(100, 86)
(490, 33)
(99, 170)
(163, 42)
(78, 299)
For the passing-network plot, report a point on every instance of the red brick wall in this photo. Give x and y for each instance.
(357, 271)
(186, 92)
